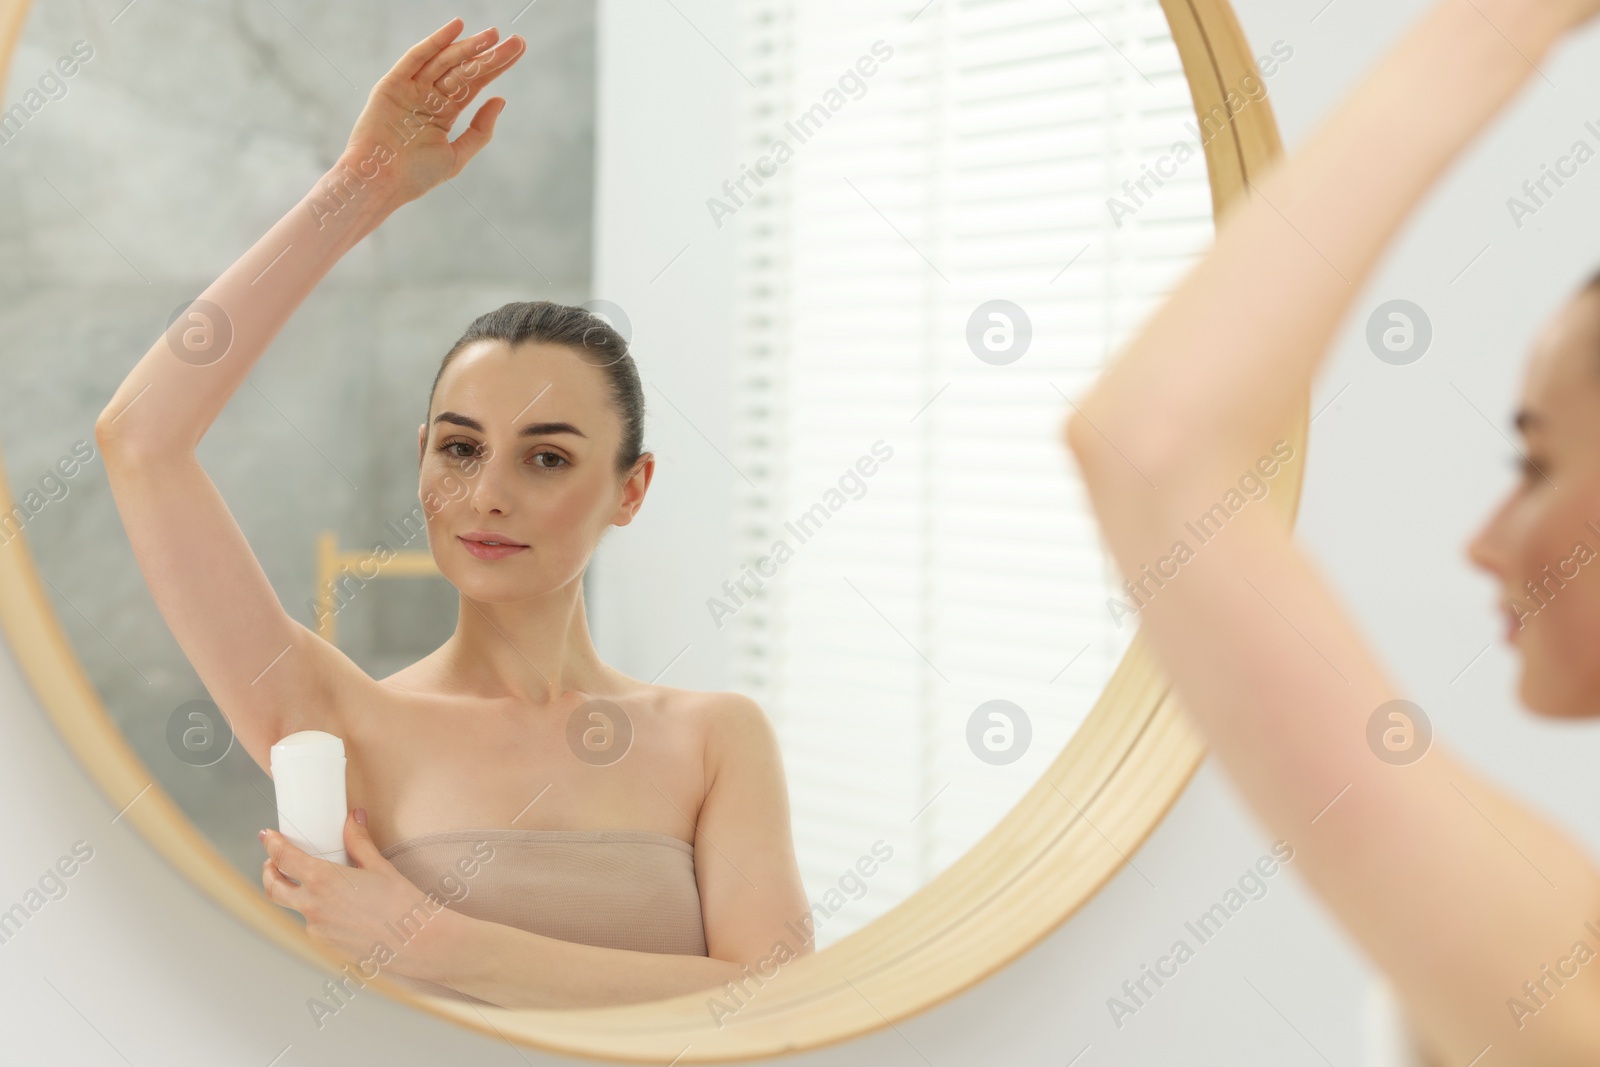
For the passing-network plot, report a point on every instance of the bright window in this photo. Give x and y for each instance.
(973, 163)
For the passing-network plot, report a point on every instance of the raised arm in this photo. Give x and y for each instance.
(267, 672)
(1458, 893)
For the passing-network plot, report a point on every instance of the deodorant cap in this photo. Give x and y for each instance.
(308, 777)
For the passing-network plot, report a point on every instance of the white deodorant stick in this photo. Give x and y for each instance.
(308, 773)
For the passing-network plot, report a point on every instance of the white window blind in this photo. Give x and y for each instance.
(977, 165)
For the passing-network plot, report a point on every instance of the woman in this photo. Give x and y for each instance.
(643, 828)
(1483, 916)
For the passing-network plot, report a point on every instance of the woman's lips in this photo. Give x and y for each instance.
(483, 551)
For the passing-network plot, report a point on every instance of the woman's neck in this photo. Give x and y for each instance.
(532, 651)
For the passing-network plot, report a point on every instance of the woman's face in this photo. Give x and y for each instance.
(1547, 531)
(522, 443)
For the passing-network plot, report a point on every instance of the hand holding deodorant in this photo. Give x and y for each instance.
(308, 775)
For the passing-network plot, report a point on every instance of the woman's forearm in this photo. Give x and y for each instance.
(1215, 376)
(515, 968)
(174, 393)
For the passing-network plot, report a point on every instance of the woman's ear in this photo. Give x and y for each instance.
(422, 441)
(634, 490)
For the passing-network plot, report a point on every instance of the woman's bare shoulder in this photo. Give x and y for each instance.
(731, 725)
(722, 709)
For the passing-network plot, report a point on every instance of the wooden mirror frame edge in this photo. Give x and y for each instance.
(1125, 767)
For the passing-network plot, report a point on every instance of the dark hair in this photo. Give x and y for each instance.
(588, 335)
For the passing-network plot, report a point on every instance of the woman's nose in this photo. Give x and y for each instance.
(1484, 548)
(490, 493)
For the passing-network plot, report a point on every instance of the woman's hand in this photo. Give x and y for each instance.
(352, 910)
(401, 141)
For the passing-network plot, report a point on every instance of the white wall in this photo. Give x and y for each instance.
(134, 966)
(666, 115)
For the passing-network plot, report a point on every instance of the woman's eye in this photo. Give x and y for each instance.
(449, 448)
(554, 456)
(1528, 468)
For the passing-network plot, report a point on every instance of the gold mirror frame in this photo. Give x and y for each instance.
(1112, 783)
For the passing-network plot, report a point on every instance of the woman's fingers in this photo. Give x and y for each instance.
(358, 843)
(461, 83)
(280, 890)
(418, 54)
(478, 134)
(420, 99)
(430, 72)
(288, 857)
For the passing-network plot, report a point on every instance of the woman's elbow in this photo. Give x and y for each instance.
(1110, 453)
(1082, 440)
(117, 444)
(122, 440)
(107, 434)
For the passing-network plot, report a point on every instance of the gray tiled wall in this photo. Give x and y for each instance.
(187, 132)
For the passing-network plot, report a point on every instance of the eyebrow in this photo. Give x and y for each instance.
(1527, 419)
(533, 429)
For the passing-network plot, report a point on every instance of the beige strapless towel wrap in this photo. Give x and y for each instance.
(628, 889)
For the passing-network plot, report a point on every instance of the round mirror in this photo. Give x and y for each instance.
(859, 321)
